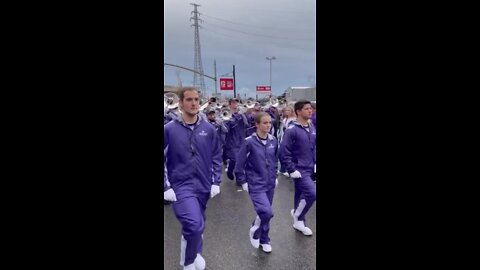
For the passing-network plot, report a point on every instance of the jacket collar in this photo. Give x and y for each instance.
(179, 119)
(269, 136)
(295, 122)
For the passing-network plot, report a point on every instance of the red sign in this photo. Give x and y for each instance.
(226, 83)
(263, 89)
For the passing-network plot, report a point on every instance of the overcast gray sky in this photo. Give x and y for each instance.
(243, 33)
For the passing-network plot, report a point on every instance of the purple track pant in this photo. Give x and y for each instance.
(262, 202)
(190, 212)
(305, 195)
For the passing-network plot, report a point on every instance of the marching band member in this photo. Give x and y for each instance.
(314, 115)
(172, 114)
(273, 112)
(297, 155)
(219, 126)
(237, 127)
(256, 171)
(314, 123)
(253, 128)
(192, 170)
(251, 119)
(288, 116)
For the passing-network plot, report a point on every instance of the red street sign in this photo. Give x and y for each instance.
(226, 83)
(263, 89)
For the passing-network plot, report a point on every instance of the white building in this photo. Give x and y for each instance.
(297, 93)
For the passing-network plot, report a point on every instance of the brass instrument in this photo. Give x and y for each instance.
(165, 106)
(272, 102)
(204, 106)
(172, 100)
(225, 114)
(250, 103)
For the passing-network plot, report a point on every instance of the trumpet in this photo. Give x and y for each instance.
(171, 99)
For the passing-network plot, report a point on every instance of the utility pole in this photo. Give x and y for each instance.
(270, 59)
(198, 80)
(215, 75)
(234, 84)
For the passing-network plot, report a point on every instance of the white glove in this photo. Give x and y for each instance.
(215, 190)
(245, 187)
(276, 182)
(315, 168)
(169, 195)
(295, 174)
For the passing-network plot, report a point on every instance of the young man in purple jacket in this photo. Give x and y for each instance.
(237, 129)
(192, 170)
(256, 171)
(297, 155)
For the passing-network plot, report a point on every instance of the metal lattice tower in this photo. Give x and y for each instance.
(198, 80)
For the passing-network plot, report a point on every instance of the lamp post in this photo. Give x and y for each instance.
(270, 59)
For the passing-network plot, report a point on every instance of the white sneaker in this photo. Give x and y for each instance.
(300, 226)
(255, 242)
(199, 262)
(286, 174)
(307, 231)
(189, 267)
(266, 247)
(293, 215)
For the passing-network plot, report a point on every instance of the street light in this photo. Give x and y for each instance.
(270, 59)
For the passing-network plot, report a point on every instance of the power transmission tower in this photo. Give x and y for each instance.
(198, 80)
(179, 80)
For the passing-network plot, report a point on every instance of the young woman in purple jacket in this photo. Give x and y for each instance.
(256, 171)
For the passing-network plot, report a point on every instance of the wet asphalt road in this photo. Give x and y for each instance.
(226, 244)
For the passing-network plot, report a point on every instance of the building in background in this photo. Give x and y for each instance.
(295, 93)
(169, 88)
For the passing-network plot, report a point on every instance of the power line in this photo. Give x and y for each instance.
(209, 30)
(257, 26)
(271, 42)
(252, 34)
(269, 11)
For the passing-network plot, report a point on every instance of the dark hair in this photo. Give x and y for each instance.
(211, 112)
(258, 116)
(300, 104)
(232, 100)
(181, 91)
